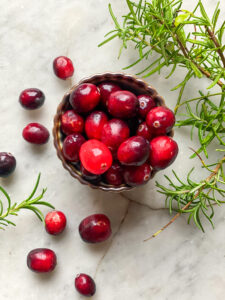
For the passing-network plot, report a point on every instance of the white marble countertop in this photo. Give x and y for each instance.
(182, 263)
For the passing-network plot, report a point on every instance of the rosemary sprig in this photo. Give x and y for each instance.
(29, 203)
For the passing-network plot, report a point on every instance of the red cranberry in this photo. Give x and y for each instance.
(114, 175)
(85, 97)
(71, 122)
(32, 98)
(55, 222)
(160, 120)
(146, 103)
(123, 104)
(89, 176)
(163, 152)
(36, 133)
(95, 228)
(41, 260)
(85, 285)
(106, 88)
(94, 124)
(95, 157)
(71, 146)
(134, 176)
(63, 67)
(143, 130)
(134, 151)
(7, 164)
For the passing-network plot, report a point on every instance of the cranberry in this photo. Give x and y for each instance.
(36, 133)
(134, 151)
(71, 146)
(123, 104)
(163, 152)
(7, 164)
(114, 175)
(63, 67)
(143, 130)
(160, 120)
(146, 103)
(95, 228)
(32, 98)
(55, 222)
(106, 88)
(134, 176)
(95, 157)
(41, 260)
(89, 176)
(94, 124)
(71, 122)
(85, 285)
(85, 97)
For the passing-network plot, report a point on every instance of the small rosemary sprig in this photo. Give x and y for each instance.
(30, 203)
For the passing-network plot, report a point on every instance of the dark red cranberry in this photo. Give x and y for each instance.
(71, 122)
(7, 164)
(163, 152)
(133, 124)
(146, 103)
(95, 228)
(36, 133)
(95, 157)
(143, 130)
(106, 88)
(63, 67)
(94, 124)
(72, 145)
(114, 175)
(160, 120)
(41, 260)
(123, 104)
(89, 176)
(55, 222)
(32, 98)
(134, 151)
(85, 97)
(85, 285)
(134, 176)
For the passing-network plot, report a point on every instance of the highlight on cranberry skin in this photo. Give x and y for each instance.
(41, 260)
(85, 285)
(36, 133)
(31, 98)
(63, 67)
(55, 222)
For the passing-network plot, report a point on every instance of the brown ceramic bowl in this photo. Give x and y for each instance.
(135, 85)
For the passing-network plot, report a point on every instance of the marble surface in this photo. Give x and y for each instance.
(182, 263)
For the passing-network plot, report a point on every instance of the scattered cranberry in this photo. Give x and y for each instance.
(85, 98)
(7, 164)
(94, 124)
(114, 175)
(163, 152)
(41, 260)
(95, 157)
(32, 98)
(71, 122)
(55, 222)
(36, 133)
(71, 146)
(143, 130)
(106, 88)
(85, 285)
(123, 104)
(63, 67)
(146, 103)
(134, 151)
(95, 228)
(89, 176)
(134, 176)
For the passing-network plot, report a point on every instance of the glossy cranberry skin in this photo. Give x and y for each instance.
(163, 152)
(95, 157)
(94, 124)
(85, 98)
(72, 145)
(36, 133)
(55, 222)
(71, 122)
(95, 228)
(134, 176)
(123, 104)
(41, 260)
(160, 120)
(31, 98)
(114, 175)
(63, 67)
(143, 130)
(7, 164)
(146, 103)
(106, 88)
(89, 176)
(85, 285)
(134, 151)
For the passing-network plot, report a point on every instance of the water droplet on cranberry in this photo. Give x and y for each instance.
(31, 98)
(41, 260)
(63, 67)
(55, 222)
(72, 145)
(7, 164)
(85, 285)
(36, 133)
